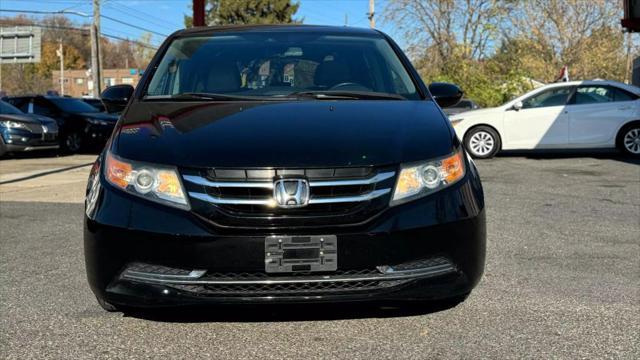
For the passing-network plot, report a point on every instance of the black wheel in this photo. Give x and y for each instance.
(482, 142)
(106, 305)
(3, 148)
(72, 142)
(628, 139)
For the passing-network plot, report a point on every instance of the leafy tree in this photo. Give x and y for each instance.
(50, 61)
(224, 12)
(494, 49)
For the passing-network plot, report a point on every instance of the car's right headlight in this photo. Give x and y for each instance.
(421, 179)
(153, 182)
(12, 124)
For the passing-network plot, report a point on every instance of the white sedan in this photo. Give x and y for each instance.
(568, 115)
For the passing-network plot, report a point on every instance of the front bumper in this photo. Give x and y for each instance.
(18, 140)
(435, 248)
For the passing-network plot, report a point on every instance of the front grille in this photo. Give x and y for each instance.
(336, 196)
(35, 128)
(287, 289)
(260, 283)
(50, 136)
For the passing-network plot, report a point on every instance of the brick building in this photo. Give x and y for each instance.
(78, 83)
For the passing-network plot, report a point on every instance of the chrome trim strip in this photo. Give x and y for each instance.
(270, 202)
(231, 201)
(134, 274)
(372, 180)
(34, 148)
(269, 184)
(364, 197)
(397, 275)
(239, 184)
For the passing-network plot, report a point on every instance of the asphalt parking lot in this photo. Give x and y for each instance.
(562, 279)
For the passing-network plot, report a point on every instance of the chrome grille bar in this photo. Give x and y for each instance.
(232, 201)
(235, 184)
(270, 202)
(372, 180)
(342, 199)
(269, 184)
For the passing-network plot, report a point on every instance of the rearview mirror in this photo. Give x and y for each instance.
(445, 94)
(115, 98)
(517, 106)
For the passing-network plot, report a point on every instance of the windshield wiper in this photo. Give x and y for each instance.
(346, 95)
(207, 96)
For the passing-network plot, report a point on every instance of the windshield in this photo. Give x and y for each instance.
(6, 108)
(73, 105)
(271, 65)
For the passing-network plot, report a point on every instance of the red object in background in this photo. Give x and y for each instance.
(198, 13)
(564, 75)
(631, 20)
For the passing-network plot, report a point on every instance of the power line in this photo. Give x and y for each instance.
(133, 26)
(86, 32)
(62, 13)
(148, 18)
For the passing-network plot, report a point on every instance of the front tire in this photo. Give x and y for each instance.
(72, 142)
(629, 139)
(3, 148)
(482, 142)
(107, 306)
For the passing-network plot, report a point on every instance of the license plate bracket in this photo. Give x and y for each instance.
(307, 253)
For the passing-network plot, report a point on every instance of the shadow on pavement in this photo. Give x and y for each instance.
(571, 154)
(47, 154)
(296, 312)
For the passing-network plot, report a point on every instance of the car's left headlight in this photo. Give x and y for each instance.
(422, 179)
(13, 124)
(153, 182)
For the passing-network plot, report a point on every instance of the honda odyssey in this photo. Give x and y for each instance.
(265, 164)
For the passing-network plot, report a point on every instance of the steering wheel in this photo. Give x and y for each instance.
(349, 85)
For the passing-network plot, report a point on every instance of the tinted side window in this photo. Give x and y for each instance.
(622, 95)
(601, 94)
(593, 95)
(43, 107)
(22, 104)
(551, 97)
(465, 104)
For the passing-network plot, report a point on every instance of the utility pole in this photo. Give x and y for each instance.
(371, 14)
(96, 66)
(346, 19)
(60, 54)
(628, 76)
(198, 13)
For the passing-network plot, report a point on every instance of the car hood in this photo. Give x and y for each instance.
(283, 134)
(25, 118)
(44, 120)
(100, 116)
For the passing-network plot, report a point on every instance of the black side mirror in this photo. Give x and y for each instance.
(116, 97)
(445, 94)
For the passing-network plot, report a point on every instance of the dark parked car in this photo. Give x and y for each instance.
(265, 164)
(96, 103)
(80, 124)
(22, 132)
(462, 106)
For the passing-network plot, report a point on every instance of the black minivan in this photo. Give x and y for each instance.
(265, 164)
